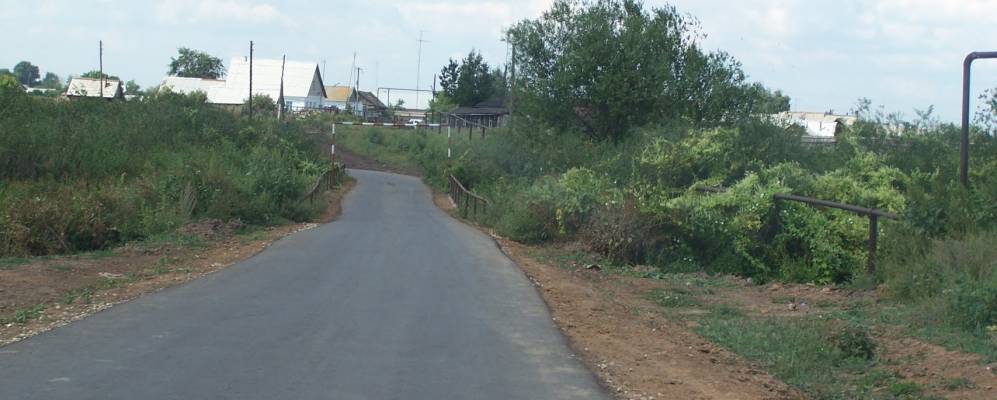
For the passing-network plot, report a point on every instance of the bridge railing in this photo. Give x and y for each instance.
(467, 202)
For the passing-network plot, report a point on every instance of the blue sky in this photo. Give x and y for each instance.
(902, 54)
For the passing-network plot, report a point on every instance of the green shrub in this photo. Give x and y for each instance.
(85, 175)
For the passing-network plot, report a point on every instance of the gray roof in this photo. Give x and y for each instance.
(301, 79)
(90, 87)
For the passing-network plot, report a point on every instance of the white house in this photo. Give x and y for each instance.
(817, 124)
(302, 83)
(303, 86)
(91, 87)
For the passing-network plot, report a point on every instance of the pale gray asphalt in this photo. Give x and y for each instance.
(395, 300)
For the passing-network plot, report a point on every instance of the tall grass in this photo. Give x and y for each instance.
(84, 175)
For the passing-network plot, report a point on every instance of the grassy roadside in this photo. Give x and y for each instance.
(831, 343)
(41, 293)
(835, 342)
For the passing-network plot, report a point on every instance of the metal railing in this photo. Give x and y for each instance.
(328, 180)
(872, 213)
(466, 198)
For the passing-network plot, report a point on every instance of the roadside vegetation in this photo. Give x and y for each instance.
(599, 155)
(85, 175)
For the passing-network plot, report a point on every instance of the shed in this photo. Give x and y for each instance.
(490, 113)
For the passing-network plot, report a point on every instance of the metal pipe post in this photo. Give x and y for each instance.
(964, 144)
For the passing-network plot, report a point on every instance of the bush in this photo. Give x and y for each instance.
(84, 175)
(622, 233)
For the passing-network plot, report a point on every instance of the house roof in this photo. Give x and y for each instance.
(90, 87)
(190, 85)
(372, 100)
(487, 107)
(338, 93)
(816, 124)
(301, 79)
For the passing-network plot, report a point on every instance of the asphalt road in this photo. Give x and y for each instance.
(395, 300)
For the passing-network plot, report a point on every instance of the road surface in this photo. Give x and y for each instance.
(395, 300)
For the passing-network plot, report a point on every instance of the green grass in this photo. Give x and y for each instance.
(61, 267)
(22, 316)
(14, 262)
(958, 384)
(672, 298)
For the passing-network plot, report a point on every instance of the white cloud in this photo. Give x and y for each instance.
(194, 11)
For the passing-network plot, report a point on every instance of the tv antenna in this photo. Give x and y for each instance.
(418, 68)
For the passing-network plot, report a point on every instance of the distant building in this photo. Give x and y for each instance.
(91, 88)
(489, 113)
(302, 84)
(183, 85)
(363, 104)
(816, 124)
(338, 97)
(373, 108)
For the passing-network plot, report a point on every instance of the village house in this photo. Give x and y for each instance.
(300, 89)
(363, 104)
(91, 88)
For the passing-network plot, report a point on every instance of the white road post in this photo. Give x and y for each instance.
(449, 141)
(333, 142)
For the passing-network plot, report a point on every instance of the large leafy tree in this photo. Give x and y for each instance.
(97, 75)
(27, 73)
(191, 63)
(469, 81)
(132, 88)
(51, 81)
(605, 66)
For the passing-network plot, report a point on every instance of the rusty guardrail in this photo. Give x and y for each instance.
(466, 198)
(872, 213)
(328, 180)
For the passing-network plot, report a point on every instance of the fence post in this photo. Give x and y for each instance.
(873, 238)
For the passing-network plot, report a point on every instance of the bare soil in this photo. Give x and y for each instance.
(353, 160)
(75, 286)
(638, 353)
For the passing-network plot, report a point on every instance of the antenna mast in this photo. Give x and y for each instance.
(418, 69)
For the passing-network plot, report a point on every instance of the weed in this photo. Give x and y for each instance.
(23, 315)
(84, 294)
(905, 389)
(61, 267)
(958, 384)
(854, 341)
(11, 263)
(672, 298)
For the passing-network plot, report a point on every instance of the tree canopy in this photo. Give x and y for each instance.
(97, 75)
(51, 81)
(605, 66)
(27, 73)
(469, 81)
(191, 63)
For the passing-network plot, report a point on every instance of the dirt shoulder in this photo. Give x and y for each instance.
(640, 335)
(40, 294)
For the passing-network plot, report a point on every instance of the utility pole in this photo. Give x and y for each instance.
(101, 61)
(512, 84)
(323, 71)
(356, 93)
(250, 102)
(418, 69)
(280, 97)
